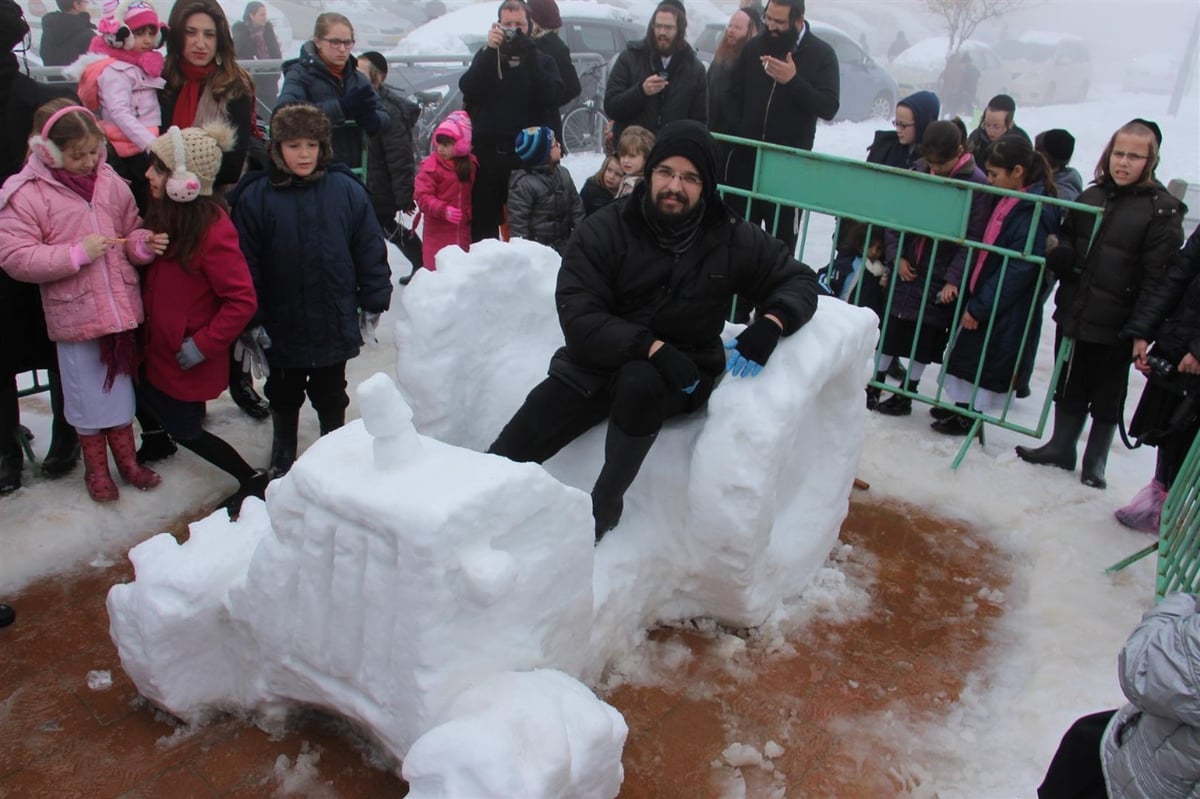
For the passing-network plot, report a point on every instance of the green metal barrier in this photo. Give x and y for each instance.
(1178, 544)
(908, 203)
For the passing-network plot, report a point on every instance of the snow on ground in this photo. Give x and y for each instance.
(1066, 619)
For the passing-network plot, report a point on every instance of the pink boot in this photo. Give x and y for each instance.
(96, 476)
(120, 440)
(1145, 509)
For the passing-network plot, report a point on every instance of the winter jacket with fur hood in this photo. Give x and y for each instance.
(317, 257)
(437, 189)
(211, 300)
(543, 205)
(42, 221)
(1152, 745)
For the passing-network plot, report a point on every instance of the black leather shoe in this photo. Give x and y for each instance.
(955, 425)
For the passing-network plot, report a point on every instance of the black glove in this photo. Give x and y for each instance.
(677, 369)
(749, 351)
(368, 120)
(1061, 262)
(356, 101)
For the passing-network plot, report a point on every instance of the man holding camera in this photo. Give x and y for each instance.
(507, 88)
(658, 79)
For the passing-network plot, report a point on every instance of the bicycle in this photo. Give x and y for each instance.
(584, 126)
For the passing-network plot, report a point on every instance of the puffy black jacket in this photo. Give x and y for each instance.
(1168, 312)
(65, 37)
(543, 206)
(504, 94)
(308, 80)
(390, 162)
(619, 290)
(1141, 230)
(784, 113)
(686, 95)
(317, 256)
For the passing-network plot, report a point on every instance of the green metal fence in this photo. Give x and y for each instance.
(910, 204)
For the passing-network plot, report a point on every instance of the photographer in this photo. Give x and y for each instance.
(1168, 415)
(507, 88)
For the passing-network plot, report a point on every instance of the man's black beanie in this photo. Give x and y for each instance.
(690, 139)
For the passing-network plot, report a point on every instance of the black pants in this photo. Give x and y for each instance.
(1095, 379)
(1075, 772)
(554, 414)
(490, 191)
(324, 385)
(740, 173)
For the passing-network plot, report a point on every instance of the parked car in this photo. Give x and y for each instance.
(867, 90)
(1044, 67)
(921, 66)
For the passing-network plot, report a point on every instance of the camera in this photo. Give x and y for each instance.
(510, 33)
(664, 75)
(1160, 367)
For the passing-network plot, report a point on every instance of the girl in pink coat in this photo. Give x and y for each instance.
(443, 188)
(69, 223)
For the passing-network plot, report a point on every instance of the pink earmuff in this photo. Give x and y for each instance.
(40, 144)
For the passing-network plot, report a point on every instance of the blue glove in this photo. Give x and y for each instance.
(749, 351)
(678, 370)
(355, 101)
(189, 355)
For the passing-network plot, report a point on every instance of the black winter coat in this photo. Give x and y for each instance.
(391, 167)
(65, 37)
(1013, 299)
(239, 115)
(784, 113)
(504, 95)
(686, 95)
(594, 196)
(1168, 313)
(307, 80)
(317, 256)
(24, 344)
(1141, 230)
(550, 44)
(618, 290)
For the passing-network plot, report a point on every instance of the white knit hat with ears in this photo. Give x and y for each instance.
(194, 157)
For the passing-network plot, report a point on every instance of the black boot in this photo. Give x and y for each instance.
(156, 442)
(255, 486)
(12, 459)
(873, 392)
(64, 441)
(1095, 454)
(623, 456)
(283, 441)
(241, 388)
(898, 404)
(328, 421)
(1060, 449)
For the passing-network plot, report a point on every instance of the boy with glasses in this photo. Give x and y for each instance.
(997, 121)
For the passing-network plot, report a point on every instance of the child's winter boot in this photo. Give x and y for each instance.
(96, 476)
(120, 440)
(1144, 511)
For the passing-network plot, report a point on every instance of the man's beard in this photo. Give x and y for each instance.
(778, 43)
(727, 53)
(668, 217)
(667, 48)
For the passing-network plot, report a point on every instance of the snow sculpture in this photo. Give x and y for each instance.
(403, 579)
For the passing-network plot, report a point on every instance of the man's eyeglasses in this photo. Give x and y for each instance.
(339, 44)
(665, 28)
(1122, 155)
(776, 22)
(898, 125)
(687, 178)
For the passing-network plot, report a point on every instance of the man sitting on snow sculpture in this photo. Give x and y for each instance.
(642, 295)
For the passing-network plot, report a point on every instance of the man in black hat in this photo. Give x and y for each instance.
(22, 323)
(997, 121)
(544, 23)
(642, 296)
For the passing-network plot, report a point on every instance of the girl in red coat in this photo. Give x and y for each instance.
(443, 188)
(198, 298)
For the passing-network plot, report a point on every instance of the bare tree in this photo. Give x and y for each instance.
(962, 17)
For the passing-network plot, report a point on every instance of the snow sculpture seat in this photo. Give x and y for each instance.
(395, 568)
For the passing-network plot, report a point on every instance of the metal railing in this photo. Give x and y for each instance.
(909, 204)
